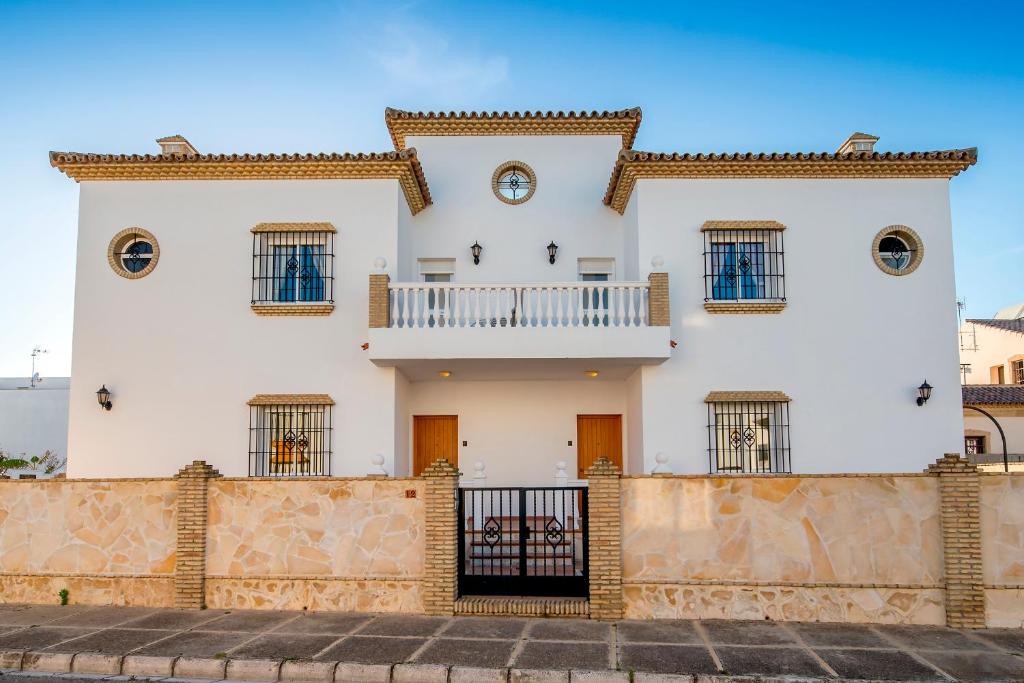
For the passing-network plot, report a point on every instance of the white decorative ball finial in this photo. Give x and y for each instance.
(380, 263)
(657, 262)
(662, 466)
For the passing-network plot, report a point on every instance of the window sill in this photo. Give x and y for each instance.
(744, 307)
(292, 309)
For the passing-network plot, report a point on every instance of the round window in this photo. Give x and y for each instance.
(513, 182)
(133, 253)
(897, 250)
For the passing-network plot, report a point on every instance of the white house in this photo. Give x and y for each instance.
(33, 418)
(992, 371)
(515, 290)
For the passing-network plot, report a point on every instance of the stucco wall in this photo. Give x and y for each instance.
(993, 347)
(853, 549)
(335, 545)
(853, 343)
(107, 542)
(33, 421)
(180, 349)
(519, 430)
(1013, 428)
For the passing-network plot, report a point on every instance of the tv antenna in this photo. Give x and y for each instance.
(36, 379)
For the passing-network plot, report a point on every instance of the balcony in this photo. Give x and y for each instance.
(612, 326)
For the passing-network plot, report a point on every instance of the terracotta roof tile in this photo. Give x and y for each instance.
(1000, 324)
(632, 165)
(624, 123)
(402, 165)
(993, 394)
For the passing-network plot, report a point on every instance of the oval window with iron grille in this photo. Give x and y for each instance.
(513, 182)
(133, 253)
(897, 250)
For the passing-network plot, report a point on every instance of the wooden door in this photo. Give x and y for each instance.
(433, 437)
(597, 435)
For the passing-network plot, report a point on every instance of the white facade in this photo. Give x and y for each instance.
(33, 419)
(181, 350)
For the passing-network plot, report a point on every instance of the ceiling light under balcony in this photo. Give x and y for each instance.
(591, 373)
(445, 373)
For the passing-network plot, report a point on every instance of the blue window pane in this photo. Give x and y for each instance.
(285, 266)
(311, 268)
(723, 270)
(751, 270)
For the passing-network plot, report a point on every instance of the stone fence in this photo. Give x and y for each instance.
(943, 546)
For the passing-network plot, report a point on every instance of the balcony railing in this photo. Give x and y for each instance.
(496, 306)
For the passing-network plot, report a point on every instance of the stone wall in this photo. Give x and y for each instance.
(339, 544)
(105, 541)
(864, 548)
(1002, 548)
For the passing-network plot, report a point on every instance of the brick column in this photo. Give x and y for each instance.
(190, 568)
(658, 314)
(960, 514)
(440, 572)
(604, 523)
(380, 310)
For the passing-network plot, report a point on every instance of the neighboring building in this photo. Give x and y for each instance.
(992, 370)
(992, 350)
(33, 419)
(470, 296)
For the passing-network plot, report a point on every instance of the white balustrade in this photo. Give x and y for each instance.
(495, 306)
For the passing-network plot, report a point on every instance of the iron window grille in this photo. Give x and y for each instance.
(749, 436)
(293, 267)
(744, 265)
(290, 440)
(974, 445)
(1017, 367)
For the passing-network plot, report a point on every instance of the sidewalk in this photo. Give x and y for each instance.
(295, 646)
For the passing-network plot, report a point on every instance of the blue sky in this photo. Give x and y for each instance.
(316, 76)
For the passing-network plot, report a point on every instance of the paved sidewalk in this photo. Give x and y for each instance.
(306, 646)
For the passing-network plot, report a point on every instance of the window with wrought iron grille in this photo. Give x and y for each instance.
(290, 439)
(974, 445)
(743, 264)
(748, 436)
(292, 265)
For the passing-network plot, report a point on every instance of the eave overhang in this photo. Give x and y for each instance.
(633, 165)
(402, 124)
(402, 166)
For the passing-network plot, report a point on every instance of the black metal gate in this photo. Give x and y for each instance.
(523, 541)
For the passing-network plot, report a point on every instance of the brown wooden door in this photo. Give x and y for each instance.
(434, 437)
(597, 435)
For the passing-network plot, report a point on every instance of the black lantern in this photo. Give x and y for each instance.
(552, 250)
(476, 249)
(924, 392)
(103, 397)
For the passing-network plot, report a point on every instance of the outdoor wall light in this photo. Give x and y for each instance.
(103, 397)
(924, 392)
(445, 374)
(476, 249)
(552, 250)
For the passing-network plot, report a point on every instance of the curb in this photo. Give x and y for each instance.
(306, 671)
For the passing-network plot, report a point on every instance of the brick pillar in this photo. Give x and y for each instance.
(960, 516)
(380, 310)
(658, 314)
(440, 573)
(190, 568)
(604, 523)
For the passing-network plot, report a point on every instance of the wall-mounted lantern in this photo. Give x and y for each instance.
(476, 249)
(924, 392)
(103, 397)
(552, 250)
